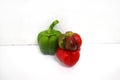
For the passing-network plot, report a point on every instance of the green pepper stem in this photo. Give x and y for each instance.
(52, 25)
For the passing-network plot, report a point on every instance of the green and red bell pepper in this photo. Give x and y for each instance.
(66, 46)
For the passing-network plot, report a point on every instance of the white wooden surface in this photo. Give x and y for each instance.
(97, 21)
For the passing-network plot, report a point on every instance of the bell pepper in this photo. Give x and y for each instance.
(67, 57)
(69, 48)
(70, 41)
(48, 39)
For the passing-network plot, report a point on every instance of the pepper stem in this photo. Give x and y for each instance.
(52, 25)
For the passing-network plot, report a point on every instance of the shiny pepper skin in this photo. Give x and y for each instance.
(48, 40)
(68, 58)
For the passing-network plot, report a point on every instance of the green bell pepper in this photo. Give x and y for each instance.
(48, 39)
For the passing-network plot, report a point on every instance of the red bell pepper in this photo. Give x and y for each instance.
(70, 41)
(69, 47)
(69, 58)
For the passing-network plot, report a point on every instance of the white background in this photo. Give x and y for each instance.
(97, 21)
